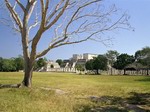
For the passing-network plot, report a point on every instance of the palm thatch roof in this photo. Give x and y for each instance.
(135, 66)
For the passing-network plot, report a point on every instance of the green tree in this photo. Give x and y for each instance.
(100, 63)
(1, 64)
(89, 65)
(8, 65)
(80, 67)
(19, 63)
(41, 62)
(123, 60)
(59, 61)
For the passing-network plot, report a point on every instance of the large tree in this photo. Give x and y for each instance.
(100, 63)
(123, 60)
(68, 22)
(96, 64)
(89, 65)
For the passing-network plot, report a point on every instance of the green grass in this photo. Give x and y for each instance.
(111, 93)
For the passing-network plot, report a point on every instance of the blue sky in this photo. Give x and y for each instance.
(123, 41)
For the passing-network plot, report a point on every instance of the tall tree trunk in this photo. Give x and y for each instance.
(97, 71)
(147, 72)
(124, 72)
(27, 81)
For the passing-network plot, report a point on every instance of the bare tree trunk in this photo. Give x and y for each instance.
(27, 81)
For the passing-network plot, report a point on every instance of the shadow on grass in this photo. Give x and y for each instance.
(146, 79)
(137, 102)
(139, 98)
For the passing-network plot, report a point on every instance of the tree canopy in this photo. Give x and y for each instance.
(41, 62)
(123, 60)
(98, 63)
(59, 61)
(143, 56)
(12, 64)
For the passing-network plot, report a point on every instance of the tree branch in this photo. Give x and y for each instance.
(64, 39)
(33, 3)
(76, 12)
(33, 25)
(79, 23)
(58, 43)
(43, 12)
(58, 16)
(14, 15)
(21, 6)
(57, 8)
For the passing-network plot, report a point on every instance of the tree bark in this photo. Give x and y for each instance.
(10, 86)
(147, 72)
(124, 72)
(27, 81)
(97, 71)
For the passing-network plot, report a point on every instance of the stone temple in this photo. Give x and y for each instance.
(69, 65)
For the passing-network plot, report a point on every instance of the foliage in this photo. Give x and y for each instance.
(143, 56)
(123, 60)
(8, 65)
(80, 67)
(41, 62)
(19, 63)
(98, 63)
(1, 64)
(59, 61)
(89, 65)
(12, 64)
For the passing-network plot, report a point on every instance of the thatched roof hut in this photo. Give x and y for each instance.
(135, 66)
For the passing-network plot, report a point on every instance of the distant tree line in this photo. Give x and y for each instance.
(112, 59)
(141, 57)
(119, 61)
(12, 64)
(17, 64)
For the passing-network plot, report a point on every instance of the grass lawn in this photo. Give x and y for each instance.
(61, 92)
